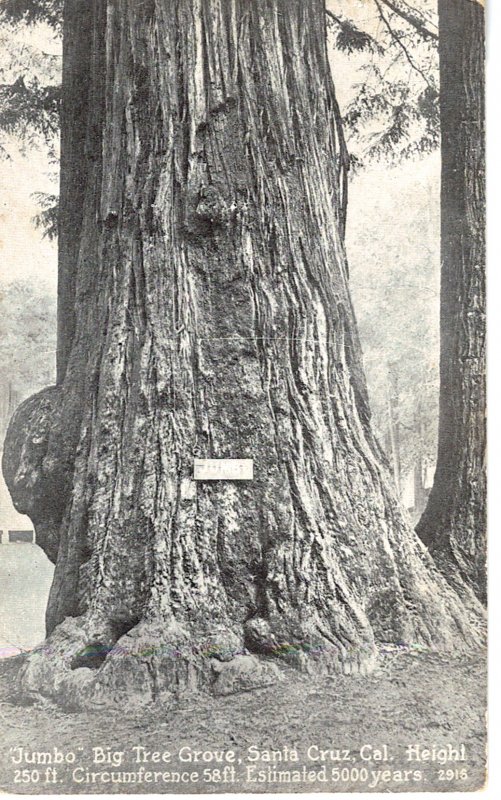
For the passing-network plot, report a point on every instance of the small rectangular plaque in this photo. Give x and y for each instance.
(223, 469)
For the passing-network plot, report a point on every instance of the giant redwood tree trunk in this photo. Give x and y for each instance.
(454, 524)
(207, 279)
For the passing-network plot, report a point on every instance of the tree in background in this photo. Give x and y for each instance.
(29, 118)
(210, 317)
(29, 77)
(27, 336)
(391, 115)
(27, 356)
(397, 308)
(454, 523)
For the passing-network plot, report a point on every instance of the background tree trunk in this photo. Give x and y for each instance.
(213, 319)
(454, 525)
(419, 464)
(394, 427)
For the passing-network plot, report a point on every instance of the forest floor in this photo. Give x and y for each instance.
(412, 700)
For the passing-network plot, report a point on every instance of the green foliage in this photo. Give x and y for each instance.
(27, 336)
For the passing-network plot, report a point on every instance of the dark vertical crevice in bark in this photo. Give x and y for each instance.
(213, 320)
(453, 524)
(77, 33)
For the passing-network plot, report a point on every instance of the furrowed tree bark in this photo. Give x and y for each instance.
(454, 522)
(213, 319)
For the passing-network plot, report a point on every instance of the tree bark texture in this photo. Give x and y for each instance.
(213, 319)
(454, 522)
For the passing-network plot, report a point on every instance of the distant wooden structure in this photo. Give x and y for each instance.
(21, 536)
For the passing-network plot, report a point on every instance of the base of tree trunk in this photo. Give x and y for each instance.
(329, 618)
(79, 668)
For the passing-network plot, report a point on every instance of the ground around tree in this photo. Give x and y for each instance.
(413, 699)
